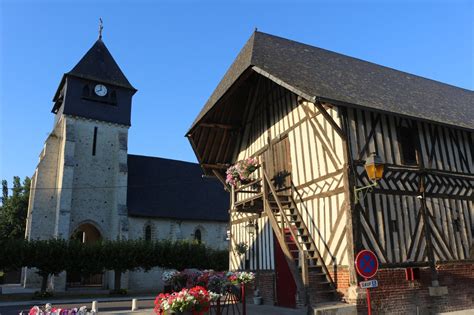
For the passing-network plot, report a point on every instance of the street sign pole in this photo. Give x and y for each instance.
(367, 264)
(369, 307)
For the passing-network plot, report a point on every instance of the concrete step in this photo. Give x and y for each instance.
(334, 308)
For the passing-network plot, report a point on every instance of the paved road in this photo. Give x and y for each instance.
(103, 306)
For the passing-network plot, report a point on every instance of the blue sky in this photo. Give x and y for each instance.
(175, 53)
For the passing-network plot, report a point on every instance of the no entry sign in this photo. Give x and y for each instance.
(366, 263)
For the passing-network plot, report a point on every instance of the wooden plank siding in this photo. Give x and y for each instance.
(391, 223)
(316, 153)
(264, 237)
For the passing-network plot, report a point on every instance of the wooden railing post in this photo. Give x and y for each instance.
(244, 304)
(266, 184)
(304, 269)
(232, 197)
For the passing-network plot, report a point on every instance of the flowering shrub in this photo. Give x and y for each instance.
(245, 277)
(192, 276)
(195, 300)
(240, 277)
(48, 309)
(218, 282)
(168, 275)
(198, 289)
(240, 171)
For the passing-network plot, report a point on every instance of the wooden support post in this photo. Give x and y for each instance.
(354, 238)
(304, 269)
(232, 197)
(244, 305)
(221, 179)
(427, 234)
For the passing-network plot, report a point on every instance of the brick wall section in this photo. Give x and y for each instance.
(340, 276)
(266, 285)
(396, 295)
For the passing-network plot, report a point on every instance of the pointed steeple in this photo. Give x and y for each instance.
(99, 65)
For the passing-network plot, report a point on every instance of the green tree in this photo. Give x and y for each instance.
(85, 258)
(12, 254)
(50, 257)
(121, 256)
(14, 208)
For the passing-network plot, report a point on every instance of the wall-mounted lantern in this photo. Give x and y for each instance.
(251, 228)
(374, 168)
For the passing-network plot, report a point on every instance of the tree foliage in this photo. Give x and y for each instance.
(51, 257)
(14, 208)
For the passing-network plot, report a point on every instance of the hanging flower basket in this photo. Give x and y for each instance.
(240, 171)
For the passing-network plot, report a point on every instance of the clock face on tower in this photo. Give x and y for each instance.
(100, 90)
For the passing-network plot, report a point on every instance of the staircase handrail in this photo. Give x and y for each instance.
(280, 207)
(300, 283)
(310, 239)
(315, 227)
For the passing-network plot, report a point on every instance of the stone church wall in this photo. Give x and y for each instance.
(97, 176)
(42, 204)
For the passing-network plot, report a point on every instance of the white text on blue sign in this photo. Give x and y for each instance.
(369, 284)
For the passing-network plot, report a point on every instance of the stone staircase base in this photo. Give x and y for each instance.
(333, 308)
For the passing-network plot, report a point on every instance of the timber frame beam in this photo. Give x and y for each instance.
(217, 125)
(215, 166)
(328, 117)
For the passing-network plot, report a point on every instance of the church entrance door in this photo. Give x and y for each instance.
(85, 233)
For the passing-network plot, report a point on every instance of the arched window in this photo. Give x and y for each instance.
(86, 91)
(197, 236)
(148, 233)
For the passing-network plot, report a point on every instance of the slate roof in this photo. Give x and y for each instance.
(315, 72)
(166, 188)
(99, 65)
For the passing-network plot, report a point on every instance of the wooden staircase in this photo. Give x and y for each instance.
(312, 278)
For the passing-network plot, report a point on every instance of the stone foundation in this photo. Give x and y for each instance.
(266, 286)
(396, 295)
(341, 277)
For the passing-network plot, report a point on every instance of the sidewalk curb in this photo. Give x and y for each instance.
(145, 311)
(83, 300)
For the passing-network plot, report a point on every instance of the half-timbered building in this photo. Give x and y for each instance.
(312, 117)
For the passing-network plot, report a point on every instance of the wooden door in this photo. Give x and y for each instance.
(278, 165)
(285, 284)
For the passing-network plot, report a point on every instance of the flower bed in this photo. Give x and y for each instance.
(195, 290)
(48, 309)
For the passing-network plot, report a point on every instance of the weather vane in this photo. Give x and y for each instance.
(101, 27)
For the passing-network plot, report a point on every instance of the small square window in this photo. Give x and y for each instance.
(408, 140)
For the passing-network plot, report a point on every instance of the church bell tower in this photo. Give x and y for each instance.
(79, 187)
